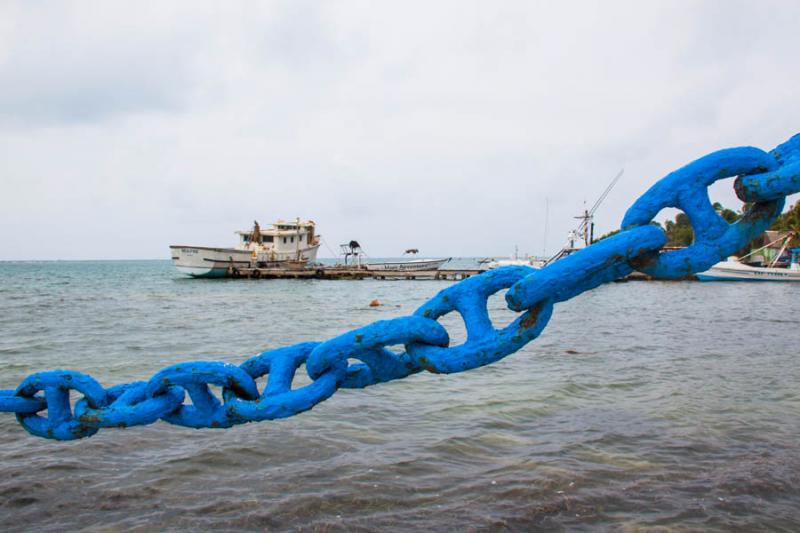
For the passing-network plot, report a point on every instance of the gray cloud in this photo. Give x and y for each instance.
(443, 126)
(82, 63)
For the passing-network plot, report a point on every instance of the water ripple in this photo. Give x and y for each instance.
(643, 406)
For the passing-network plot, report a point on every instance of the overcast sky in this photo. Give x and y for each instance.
(127, 127)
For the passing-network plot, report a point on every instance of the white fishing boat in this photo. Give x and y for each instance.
(411, 265)
(734, 269)
(353, 249)
(284, 244)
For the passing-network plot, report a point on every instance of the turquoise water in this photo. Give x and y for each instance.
(641, 405)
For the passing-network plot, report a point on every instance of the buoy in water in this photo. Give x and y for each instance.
(375, 303)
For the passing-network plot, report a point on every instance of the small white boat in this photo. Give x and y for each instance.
(498, 263)
(734, 270)
(285, 244)
(353, 250)
(514, 260)
(411, 265)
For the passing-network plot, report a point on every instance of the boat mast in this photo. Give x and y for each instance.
(786, 238)
(586, 227)
(297, 246)
(785, 244)
(546, 219)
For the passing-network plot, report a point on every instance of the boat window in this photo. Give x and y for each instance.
(300, 238)
(292, 239)
(245, 238)
(284, 240)
(266, 238)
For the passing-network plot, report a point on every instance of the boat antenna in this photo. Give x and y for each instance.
(586, 228)
(546, 219)
(256, 236)
(608, 190)
(297, 248)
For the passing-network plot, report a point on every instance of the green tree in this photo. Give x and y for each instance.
(729, 215)
(790, 221)
(679, 232)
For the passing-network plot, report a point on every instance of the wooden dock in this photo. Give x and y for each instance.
(338, 272)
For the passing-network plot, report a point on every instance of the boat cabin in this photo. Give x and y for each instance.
(282, 240)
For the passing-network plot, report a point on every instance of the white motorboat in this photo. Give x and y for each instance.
(284, 243)
(515, 260)
(411, 265)
(735, 270)
(353, 249)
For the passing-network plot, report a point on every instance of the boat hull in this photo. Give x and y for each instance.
(409, 266)
(203, 262)
(533, 263)
(734, 271)
(207, 262)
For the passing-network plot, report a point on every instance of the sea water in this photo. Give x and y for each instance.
(641, 405)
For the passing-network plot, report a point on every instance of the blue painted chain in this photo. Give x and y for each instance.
(764, 180)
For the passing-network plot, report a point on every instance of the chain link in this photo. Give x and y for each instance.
(484, 344)
(765, 179)
(687, 189)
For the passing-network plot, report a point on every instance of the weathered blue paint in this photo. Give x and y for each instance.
(766, 178)
(206, 409)
(686, 189)
(368, 344)
(11, 403)
(604, 261)
(484, 344)
(279, 399)
(60, 423)
(776, 184)
(129, 405)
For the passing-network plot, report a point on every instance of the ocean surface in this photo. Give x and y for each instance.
(668, 406)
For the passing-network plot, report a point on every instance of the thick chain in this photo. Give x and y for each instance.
(764, 180)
